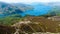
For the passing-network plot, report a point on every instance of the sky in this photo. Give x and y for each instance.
(28, 1)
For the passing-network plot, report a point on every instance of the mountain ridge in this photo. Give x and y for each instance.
(36, 9)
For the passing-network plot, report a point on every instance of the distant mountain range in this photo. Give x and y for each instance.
(45, 8)
(31, 9)
(9, 9)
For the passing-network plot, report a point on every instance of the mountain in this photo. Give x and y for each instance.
(22, 6)
(45, 8)
(9, 9)
(55, 8)
(35, 9)
(39, 9)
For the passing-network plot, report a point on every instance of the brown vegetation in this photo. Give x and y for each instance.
(46, 24)
(38, 24)
(6, 29)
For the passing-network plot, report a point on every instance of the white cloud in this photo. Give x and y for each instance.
(29, 1)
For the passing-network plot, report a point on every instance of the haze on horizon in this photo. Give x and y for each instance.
(28, 1)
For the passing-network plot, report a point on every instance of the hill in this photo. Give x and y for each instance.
(9, 9)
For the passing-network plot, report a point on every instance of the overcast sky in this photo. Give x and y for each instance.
(28, 1)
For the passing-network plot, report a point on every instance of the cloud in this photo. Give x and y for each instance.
(29, 1)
